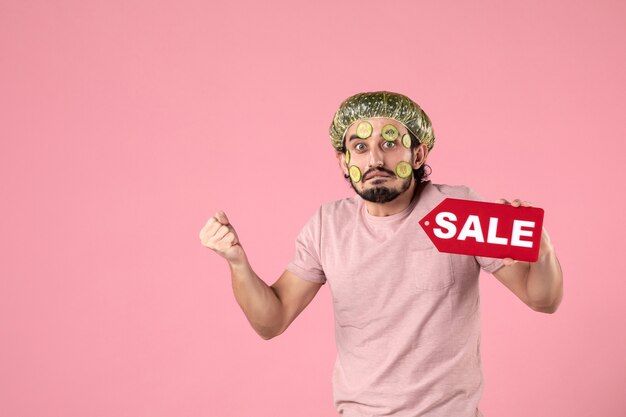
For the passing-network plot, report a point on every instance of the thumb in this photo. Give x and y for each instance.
(508, 261)
(221, 217)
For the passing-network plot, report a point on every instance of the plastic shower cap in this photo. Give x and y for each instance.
(381, 104)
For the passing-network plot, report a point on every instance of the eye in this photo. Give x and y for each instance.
(360, 147)
(389, 145)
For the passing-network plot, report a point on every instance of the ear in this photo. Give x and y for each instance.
(341, 159)
(419, 155)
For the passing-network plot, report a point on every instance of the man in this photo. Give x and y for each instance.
(407, 317)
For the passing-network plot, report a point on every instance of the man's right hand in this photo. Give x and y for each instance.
(219, 236)
(270, 310)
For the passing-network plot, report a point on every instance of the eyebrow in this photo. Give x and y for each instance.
(354, 136)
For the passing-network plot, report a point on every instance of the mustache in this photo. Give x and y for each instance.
(378, 170)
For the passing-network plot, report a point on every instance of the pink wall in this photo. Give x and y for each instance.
(124, 125)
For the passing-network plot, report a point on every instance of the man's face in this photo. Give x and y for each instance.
(380, 166)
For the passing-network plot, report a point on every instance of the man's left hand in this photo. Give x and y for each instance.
(545, 246)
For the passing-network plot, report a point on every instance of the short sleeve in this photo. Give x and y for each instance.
(306, 262)
(490, 265)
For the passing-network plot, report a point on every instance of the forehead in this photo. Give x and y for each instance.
(377, 125)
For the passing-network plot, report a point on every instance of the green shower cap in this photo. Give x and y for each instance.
(381, 104)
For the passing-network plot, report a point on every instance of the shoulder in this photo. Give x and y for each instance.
(333, 213)
(345, 206)
(458, 191)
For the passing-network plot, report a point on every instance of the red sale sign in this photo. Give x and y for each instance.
(485, 229)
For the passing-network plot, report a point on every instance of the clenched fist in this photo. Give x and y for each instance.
(219, 236)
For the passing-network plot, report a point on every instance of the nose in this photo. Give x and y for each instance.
(376, 157)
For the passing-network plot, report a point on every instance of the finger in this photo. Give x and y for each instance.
(205, 228)
(221, 217)
(220, 233)
(517, 203)
(502, 201)
(230, 238)
(226, 242)
(208, 223)
(212, 226)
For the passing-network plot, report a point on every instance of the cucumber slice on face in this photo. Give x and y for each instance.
(355, 173)
(347, 157)
(406, 141)
(364, 130)
(390, 133)
(404, 169)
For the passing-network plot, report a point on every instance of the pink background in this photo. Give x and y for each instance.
(124, 125)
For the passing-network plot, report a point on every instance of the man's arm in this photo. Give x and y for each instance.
(270, 310)
(538, 284)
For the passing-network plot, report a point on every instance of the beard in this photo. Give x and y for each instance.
(383, 194)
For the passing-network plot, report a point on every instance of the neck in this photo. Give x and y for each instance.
(397, 205)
